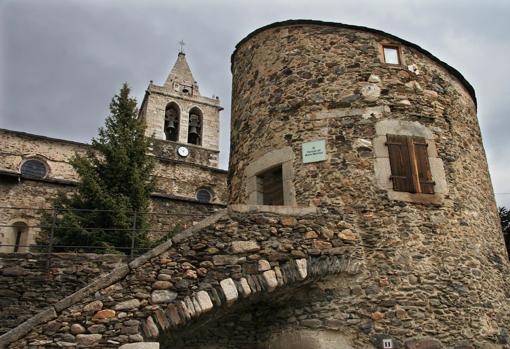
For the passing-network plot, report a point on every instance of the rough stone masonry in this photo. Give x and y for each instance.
(348, 261)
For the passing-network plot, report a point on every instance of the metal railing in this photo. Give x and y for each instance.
(46, 222)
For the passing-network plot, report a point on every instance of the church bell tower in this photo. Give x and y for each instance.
(177, 114)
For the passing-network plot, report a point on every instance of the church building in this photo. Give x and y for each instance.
(184, 127)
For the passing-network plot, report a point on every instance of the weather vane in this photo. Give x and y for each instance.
(182, 43)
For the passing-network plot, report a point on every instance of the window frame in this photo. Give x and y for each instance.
(382, 167)
(399, 54)
(46, 167)
(283, 157)
(206, 190)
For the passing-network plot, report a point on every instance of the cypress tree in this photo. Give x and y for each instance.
(115, 183)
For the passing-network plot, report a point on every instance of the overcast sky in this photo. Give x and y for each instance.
(63, 60)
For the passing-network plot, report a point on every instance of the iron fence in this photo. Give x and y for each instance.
(28, 220)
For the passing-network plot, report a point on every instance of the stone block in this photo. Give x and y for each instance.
(173, 314)
(263, 265)
(229, 290)
(163, 296)
(370, 92)
(150, 328)
(245, 288)
(270, 279)
(406, 128)
(93, 306)
(126, 305)
(302, 268)
(347, 234)
(161, 319)
(204, 301)
(225, 260)
(88, 339)
(245, 246)
(190, 307)
(104, 314)
(77, 329)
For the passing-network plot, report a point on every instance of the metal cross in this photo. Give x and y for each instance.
(182, 43)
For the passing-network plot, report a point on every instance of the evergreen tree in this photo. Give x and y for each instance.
(504, 215)
(115, 183)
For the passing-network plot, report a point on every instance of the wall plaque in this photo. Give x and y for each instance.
(314, 151)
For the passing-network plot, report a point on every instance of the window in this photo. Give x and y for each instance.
(172, 122)
(270, 179)
(391, 54)
(34, 169)
(19, 235)
(203, 195)
(409, 162)
(270, 184)
(195, 126)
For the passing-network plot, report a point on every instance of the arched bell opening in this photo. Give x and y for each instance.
(195, 126)
(172, 118)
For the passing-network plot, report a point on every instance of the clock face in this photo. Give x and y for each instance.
(183, 151)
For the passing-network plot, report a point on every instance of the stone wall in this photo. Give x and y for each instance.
(27, 286)
(428, 254)
(179, 283)
(153, 110)
(176, 189)
(56, 153)
(264, 277)
(174, 177)
(24, 202)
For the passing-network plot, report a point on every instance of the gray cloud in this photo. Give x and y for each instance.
(63, 60)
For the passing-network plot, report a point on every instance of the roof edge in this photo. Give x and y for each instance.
(291, 22)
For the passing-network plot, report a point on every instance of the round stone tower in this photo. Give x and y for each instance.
(369, 126)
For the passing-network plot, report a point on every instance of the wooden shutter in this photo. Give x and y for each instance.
(400, 162)
(423, 165)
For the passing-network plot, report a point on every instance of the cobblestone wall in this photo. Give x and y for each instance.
(251, 279)
(436, 260)
(27, 286)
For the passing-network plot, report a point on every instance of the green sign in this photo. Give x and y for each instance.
(314, 151)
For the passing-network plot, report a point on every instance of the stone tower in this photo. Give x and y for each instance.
(177, 113)
(364, 124)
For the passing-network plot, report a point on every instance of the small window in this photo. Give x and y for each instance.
(391, 54)
(409, 162)
(270, 184)
(204, 195)
(34, 169)
(19, 236)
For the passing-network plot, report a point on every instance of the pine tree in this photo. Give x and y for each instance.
(115, 183)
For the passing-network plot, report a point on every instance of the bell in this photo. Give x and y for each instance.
(193, 130)
(171, 124)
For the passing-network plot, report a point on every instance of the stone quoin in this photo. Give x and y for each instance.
(389, 239)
